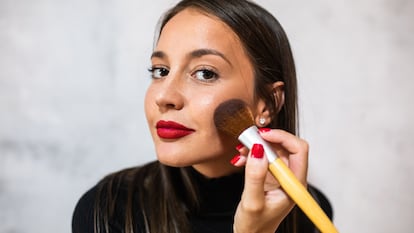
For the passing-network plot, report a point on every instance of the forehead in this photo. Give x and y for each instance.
(192, 28)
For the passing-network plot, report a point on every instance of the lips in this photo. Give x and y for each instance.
(172, 130)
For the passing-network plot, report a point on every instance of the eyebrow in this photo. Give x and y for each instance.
(158, 54)
(194, 54)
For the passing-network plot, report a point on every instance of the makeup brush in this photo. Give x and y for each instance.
(234, 118)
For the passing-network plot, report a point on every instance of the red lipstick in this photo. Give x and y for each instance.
(172, 130)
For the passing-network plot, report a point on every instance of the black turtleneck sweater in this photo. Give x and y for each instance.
(219, 198)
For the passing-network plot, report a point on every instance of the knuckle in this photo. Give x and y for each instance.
(252, 207)
(304, 145)
(255, 175)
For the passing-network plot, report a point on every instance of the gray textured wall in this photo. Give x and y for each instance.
(73, 75)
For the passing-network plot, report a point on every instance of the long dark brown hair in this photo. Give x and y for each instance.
(168, 195)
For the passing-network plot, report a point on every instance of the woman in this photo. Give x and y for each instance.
(207, 52)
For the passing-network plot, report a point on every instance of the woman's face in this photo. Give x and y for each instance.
(197, 64)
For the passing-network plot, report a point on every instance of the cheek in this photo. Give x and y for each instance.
(202, 111)
(149, 103)
(204, 106)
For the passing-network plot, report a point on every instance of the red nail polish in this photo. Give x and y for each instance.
(264, 130)
(238, 147)
(235, 159)
(257, 151)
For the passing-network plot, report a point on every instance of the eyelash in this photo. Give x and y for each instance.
(213, 75)
(160, 72)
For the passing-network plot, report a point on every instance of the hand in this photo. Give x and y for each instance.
(264, 204)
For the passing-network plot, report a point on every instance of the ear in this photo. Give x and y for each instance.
(262, 117)
(264, 113)
(278, 89)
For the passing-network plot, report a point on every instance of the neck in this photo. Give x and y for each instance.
(216, 168)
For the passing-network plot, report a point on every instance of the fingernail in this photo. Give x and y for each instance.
(235, 159)
(264, 130)
(257, 151)
(238, 147)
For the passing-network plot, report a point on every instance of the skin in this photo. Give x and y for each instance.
(188, 95)
(197, 64)
(264, 204)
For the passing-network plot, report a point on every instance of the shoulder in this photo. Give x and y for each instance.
(106, 201)
(305, 224)
(83, 215)
(322, 200)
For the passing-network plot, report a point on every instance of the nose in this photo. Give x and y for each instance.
(170, 96)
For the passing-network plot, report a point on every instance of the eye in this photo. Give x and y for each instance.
(158, 72)
(205, 75)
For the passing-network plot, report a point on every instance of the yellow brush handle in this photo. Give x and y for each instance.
(300, 195)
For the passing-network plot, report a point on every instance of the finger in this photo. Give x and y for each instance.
(256, 170)
(296, 148)
(242, 149)
(288, 141)
(238, 160)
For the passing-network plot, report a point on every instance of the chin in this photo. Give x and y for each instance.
(174, 162)
(175, 154)
(173, 159)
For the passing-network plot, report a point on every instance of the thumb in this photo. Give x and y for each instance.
(255, 175)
